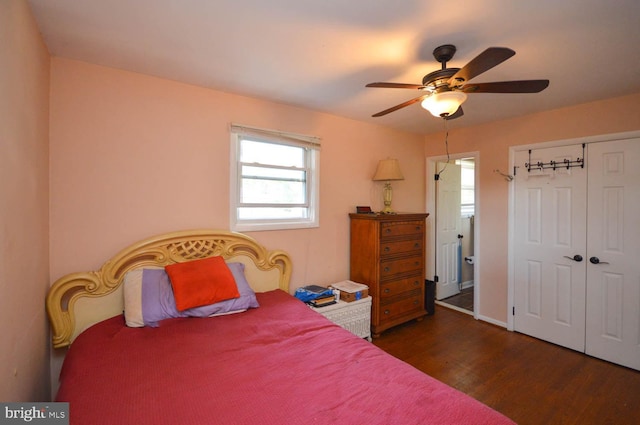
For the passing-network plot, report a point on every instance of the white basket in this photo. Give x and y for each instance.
(354, 316)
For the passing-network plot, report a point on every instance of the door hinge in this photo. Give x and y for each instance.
(435, 278)
(513, 311)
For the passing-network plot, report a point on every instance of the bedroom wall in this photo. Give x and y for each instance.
(133, 156)
(492, 141)
(24, 199)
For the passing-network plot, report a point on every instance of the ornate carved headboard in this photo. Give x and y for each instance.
(78, 300)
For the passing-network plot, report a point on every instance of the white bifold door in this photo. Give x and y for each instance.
(577, 248)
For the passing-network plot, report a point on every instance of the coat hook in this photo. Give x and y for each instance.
(507, 177)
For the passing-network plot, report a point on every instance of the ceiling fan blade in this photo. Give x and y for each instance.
(400, 106)
(396, 85)
(524, 86)
(483, 62)
(456, 114)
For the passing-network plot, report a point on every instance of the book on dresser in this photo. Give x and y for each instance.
(388, 255)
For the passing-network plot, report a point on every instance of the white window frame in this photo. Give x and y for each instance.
(310, 144)
(467, 210)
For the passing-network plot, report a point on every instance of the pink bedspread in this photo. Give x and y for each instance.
(279, 364)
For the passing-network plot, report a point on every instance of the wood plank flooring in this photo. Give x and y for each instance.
(464, 299)
(528, 380)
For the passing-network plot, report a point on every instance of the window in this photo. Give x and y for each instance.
(274, 179)
(467, 188)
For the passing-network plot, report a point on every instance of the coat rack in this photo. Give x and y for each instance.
(507, 177)
(565, 163)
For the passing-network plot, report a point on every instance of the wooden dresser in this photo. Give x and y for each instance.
(388, 255)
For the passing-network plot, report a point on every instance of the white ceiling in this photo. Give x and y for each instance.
(319, 54)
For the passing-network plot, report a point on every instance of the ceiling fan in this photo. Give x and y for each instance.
(446, 89)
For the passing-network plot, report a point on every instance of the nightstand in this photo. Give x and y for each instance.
(354, 316)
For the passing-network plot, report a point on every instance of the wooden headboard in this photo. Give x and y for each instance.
(78, 300)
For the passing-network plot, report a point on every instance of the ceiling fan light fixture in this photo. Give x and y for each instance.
(444, 103)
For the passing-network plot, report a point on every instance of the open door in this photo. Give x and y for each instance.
(448, 223)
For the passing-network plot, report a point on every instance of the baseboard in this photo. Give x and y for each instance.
(471, 313)
(492, 321)
(467, 284)
(453, 307)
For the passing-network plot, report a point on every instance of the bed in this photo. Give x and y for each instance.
(278, 362)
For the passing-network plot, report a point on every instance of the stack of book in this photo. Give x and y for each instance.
(323, 301)
(325, 296)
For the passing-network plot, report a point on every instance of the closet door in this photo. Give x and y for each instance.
(613, 250)
(550, 246)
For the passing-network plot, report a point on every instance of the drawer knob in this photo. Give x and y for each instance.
(387, 249)
(418, 227)
(387, 312)
(388, 230)
(415, 302)
(417, 263)
(417, 245)
(387, 269)
(416, 283)
(387, 290)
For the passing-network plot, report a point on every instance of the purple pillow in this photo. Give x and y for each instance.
(149, 298)
(246, 300)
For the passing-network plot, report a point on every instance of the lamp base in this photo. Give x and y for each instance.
(387, 195)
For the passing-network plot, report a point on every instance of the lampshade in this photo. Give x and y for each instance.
(388, 169)
(444, 103)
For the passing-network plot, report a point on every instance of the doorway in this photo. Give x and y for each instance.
(452, 263)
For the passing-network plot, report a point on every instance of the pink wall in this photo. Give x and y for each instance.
(133, 156)
(492, 141)
(24, 203)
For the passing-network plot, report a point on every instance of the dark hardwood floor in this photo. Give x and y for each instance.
(528, 380)
(464, 299)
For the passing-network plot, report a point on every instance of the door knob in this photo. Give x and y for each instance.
(576, 257)
(596, 260)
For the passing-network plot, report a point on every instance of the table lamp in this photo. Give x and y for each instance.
(388, 170)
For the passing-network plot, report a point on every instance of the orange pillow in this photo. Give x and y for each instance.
(201, 282)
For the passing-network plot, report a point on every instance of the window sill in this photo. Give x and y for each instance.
(257, 227)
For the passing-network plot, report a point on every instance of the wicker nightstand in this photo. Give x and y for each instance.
(354, 316)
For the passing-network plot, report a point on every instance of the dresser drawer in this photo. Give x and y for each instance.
(389, 311)
(389, 268)
(401, 228)
(400, 247)
(395, 287)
